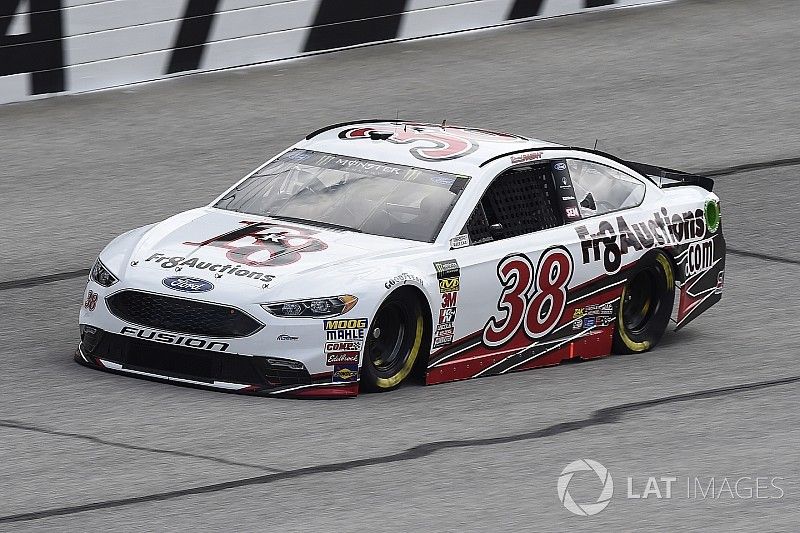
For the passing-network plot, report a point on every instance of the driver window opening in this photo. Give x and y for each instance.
(520, 201)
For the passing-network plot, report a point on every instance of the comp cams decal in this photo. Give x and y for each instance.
(610, 243)
(344, 339)
(448, 275)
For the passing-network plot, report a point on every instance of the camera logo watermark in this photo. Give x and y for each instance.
(664, 487)
(585, 509)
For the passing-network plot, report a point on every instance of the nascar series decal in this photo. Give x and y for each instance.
(448, 274)
(612, 243)
(344, 339)
(262, 244)
(438, 143)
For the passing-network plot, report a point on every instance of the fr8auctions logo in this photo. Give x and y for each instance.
(540, 309)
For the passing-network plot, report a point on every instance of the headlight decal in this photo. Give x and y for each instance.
(324, 307)
(101, 275)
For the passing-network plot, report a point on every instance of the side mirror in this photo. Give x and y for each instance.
(589, 203)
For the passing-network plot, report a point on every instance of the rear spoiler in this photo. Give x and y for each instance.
(666, 177)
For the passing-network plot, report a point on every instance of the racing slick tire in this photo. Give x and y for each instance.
(646, 305)
(393, 343)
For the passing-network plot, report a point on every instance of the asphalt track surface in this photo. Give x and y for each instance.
(705, 85)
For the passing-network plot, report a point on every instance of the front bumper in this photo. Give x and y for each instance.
(266, 376)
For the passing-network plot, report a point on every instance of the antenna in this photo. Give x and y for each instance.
(595, 143)
(444, 123)
(397, 115)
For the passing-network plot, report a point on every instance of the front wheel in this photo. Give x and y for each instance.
(393, 342)
(646, 305)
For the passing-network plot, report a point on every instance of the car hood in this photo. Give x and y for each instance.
(225, 247)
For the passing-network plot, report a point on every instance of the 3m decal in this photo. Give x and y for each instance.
(533, 299)
(260, 244)
(611, 242)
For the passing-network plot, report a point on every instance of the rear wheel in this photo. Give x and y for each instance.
(646, 305)
(393, 342)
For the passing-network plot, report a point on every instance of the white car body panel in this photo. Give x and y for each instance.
(367, 266)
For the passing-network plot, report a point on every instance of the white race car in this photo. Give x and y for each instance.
(374, 250)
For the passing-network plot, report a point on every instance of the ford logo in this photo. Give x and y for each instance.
(184, 284)
(560, 166)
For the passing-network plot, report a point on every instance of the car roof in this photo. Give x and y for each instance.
(454, 149)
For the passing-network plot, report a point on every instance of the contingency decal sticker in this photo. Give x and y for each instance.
(449, 275)
(344, 339)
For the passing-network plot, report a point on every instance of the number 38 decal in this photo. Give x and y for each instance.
(533, 299)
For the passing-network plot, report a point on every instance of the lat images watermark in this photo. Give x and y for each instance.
(662, 487)
(585, 509)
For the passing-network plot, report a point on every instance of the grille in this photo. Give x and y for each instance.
(197, 365)
(181, 316)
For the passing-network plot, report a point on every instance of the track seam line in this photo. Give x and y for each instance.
(13, 424)
(606, 415)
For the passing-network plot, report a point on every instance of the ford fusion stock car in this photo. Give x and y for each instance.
(376, 250)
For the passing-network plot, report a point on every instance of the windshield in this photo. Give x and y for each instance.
(349, 193)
